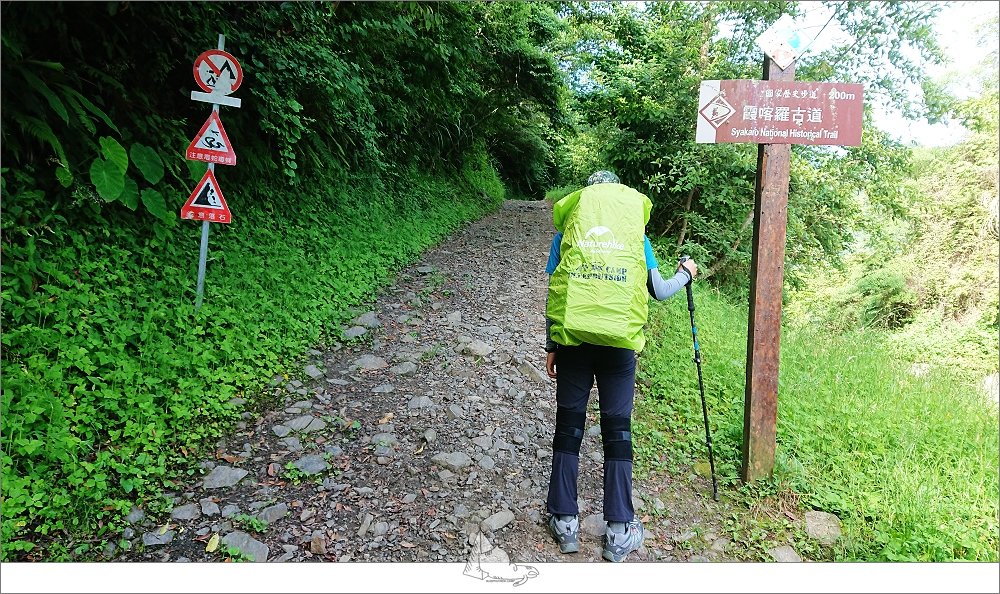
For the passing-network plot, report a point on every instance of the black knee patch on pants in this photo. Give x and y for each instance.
(616, 433)
(569, 431)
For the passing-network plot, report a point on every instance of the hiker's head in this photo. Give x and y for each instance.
(602, 177)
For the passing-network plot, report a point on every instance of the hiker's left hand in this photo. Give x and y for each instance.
(690, 266)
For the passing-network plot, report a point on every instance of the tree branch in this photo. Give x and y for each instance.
(687, 208)
(732, 249)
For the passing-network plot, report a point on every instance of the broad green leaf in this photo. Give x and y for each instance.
(127, 485)
(64, 176)
(114, 152)
(213, 543)
(154, 203)
(130, 195)
(148, 162)
(197, 169)
(107, 178)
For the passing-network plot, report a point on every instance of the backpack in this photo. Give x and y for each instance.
(597, 293)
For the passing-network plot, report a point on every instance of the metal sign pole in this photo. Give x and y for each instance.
(202, 257)
(203, 252)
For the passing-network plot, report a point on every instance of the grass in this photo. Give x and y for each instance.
(555, 194)
(908, 463)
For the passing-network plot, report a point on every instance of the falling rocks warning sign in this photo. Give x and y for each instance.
(207, 202)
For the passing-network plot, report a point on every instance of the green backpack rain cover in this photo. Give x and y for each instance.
(597, 293)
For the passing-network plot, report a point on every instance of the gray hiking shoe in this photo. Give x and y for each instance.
(566, 533)
(619, 544)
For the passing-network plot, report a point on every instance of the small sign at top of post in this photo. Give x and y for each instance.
(217, 71)
(219, 74)
(783, 41)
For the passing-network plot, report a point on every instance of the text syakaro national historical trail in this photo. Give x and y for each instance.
(780, 112)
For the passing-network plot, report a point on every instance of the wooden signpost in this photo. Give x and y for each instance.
(775, 113)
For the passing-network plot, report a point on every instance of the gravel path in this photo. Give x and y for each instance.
(425, 436)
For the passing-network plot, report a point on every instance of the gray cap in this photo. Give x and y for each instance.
(602, 177)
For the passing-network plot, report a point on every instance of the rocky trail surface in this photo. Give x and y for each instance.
(424, 437)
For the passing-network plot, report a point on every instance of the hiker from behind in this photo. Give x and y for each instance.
(602, 272)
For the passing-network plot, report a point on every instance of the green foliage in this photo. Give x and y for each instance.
(886, 300)
(109, 372)
(925, 263)
(293, 473)
(148, 162)
(908, 462)
(252, 523)
(108, 178)
(556, 194)
(155, 203)
(635, 72)
(112, 383)
(235, 555)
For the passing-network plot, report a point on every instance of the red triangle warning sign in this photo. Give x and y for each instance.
(207, 202)
(212, 144)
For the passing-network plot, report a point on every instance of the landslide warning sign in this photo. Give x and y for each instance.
(212, 144)
(207, 202)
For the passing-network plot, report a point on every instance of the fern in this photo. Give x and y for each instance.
(103, 77)
(81, 115)
(38, 85)
(97, 111)
(41, 131)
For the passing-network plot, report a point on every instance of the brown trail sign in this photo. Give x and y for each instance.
(775, 112)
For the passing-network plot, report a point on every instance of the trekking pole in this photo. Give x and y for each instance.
(701, 385)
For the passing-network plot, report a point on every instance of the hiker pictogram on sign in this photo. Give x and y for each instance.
(717, 111)
(207, 202)
(217, 71)
(212, 144)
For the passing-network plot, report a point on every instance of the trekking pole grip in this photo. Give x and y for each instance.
(687, 287)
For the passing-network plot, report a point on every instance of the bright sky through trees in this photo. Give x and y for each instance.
(956, 25)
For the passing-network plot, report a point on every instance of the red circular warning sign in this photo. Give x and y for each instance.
(217, 71)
